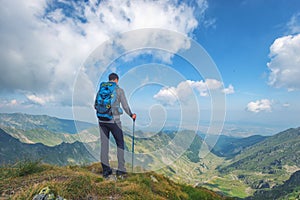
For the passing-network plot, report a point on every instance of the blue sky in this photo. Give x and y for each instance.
(47, 45)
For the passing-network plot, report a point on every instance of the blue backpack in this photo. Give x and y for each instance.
(105, 99)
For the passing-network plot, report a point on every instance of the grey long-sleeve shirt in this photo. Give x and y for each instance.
(120, 100)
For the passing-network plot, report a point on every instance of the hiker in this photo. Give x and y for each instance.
(108, 113)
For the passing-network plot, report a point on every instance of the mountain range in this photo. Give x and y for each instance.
(12, 150)
(238, 167)
(25, 122)
(289, 190)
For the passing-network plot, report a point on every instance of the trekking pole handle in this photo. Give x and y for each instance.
(133, 116)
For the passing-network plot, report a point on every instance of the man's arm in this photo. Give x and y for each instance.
(124, 102)
(125, 105)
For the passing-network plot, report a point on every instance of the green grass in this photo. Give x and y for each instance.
(196, 194)
(76, 182)
(229, 187)
(21, 168)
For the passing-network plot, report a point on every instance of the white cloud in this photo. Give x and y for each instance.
(201, 86)
(294, 24)
(40, 100)
(213, 84)
(286, 105)
(260, 105)
(183, 91)
(229, 90)
(167, 95)
(204, 86)
(285, 62)
(119, 16)
(43, 44)
(11, 103)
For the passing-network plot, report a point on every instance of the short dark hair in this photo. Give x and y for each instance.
(113, 76)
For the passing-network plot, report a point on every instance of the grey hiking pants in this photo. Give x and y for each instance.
(116, 130)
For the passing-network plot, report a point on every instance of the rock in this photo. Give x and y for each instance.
(153, 179)
(262, 185)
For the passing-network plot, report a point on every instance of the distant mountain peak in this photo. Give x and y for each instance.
(27, 122)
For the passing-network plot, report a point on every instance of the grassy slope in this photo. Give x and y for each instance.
(13, 150)
(74, 182)
(272, 160)
(266, 164)
(53, 124)
(271, 154)
(202, 173)
(229, 146)
(289, 190)
(50, 138)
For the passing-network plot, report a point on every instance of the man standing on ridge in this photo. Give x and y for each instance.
(107, 104)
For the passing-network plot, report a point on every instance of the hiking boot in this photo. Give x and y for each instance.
(121, 173)
(107, 173)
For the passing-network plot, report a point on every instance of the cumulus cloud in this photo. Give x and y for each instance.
(40, 100)
(44, 43)
(285, 62)
(260, 105)
(167, 95)
(183, 91)
(229, 90)
(204, 86)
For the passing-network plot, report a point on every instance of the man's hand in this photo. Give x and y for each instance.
(133, 116)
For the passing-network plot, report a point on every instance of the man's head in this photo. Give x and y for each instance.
(113, 77)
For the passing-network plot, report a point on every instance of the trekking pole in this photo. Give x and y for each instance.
(132, 156)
